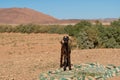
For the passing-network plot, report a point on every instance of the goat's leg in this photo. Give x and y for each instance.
(61, 60)
(69, 62)
(65, 63)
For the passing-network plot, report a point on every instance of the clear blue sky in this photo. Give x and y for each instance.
(69, 9)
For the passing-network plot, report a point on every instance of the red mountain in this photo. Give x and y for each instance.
(24, 16)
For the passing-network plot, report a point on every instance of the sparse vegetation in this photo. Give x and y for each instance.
(87, 36)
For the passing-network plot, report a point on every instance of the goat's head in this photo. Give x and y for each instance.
(65, 40)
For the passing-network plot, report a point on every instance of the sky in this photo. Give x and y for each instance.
(69, 9)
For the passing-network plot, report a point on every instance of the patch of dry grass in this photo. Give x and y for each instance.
(25, 56)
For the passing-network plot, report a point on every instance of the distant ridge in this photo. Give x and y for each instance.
(27, 15)
(24, 16)
(104, 21)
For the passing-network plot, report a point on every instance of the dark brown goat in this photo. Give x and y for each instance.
(65, 53)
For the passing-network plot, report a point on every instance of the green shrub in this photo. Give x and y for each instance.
(6, 28)
(86, 35)
(87, 39)
(115, 23)
(84, 23)
(25, 28)
(69, 29)
(56, 29)
(110, 37)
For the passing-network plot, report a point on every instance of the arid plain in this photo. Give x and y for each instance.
(25, 56)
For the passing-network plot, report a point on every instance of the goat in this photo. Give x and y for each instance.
(65, 53)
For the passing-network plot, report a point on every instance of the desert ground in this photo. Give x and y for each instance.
(25, 56)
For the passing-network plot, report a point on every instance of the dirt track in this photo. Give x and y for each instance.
(25, 56)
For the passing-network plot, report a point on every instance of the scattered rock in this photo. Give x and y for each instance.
(88, 71)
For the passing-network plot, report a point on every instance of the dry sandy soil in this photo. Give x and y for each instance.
(25, 56)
